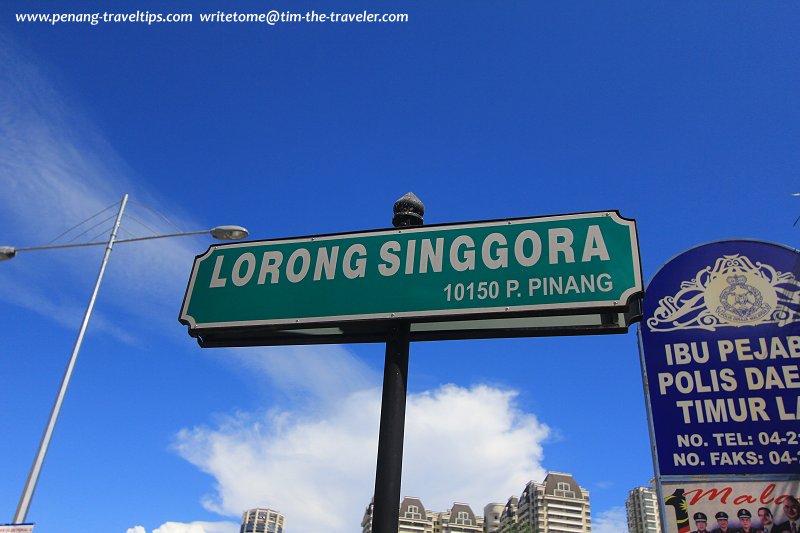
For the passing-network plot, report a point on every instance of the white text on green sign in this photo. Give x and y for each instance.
(555, 263)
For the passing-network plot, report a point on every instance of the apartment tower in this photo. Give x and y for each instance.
(262, 521)
(414, 518)
(642, 508)
(556, 505)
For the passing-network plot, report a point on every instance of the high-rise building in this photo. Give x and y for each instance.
(556, 505)
(643, 513)
(508, 518)
(458, 519)
(491, 517)
(414, 518)
(366, 520)
(262, 521)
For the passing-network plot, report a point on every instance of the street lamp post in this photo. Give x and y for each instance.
(8, 252)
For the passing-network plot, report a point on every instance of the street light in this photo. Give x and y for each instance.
(8, 252)
(222, 233)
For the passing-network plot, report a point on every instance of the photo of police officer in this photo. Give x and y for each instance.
(745, 519)
(765, 516)
(700, 522)
(722, 522)
(791, 508)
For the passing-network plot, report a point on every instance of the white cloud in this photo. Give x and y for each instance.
(63, 311)
(462, 444)
(319, 373)
(56, 169)
(613, 520)
(193, 527)
(198, 527)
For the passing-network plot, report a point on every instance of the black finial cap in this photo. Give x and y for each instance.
(408, 211)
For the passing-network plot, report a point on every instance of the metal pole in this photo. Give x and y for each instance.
(33, 477)
(389, 470)
(408, 211)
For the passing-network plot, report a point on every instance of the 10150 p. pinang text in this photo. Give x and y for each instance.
(546, 286)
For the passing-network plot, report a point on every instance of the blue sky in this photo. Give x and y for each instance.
(683, 116)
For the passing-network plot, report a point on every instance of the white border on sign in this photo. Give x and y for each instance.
(637, 287)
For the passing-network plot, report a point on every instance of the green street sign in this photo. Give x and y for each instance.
(485, 275)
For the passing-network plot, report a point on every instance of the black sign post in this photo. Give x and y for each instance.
(575, 274)
(408, 211)
(388, 471)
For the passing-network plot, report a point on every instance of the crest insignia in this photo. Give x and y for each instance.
(735, 292)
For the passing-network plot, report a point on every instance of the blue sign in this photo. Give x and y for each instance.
(720, 342)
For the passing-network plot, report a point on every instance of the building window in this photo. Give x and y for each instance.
(563, 490)
(463, 519)
(412, 512)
